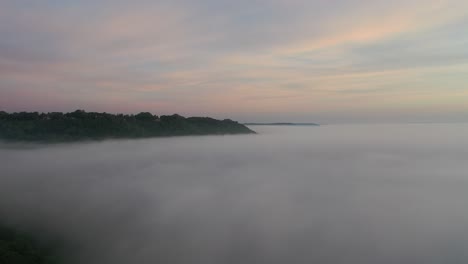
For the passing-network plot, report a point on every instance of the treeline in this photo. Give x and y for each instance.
(81, 125)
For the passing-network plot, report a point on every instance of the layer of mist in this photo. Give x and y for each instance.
(332, 194)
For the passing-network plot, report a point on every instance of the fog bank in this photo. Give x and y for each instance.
(329, 194)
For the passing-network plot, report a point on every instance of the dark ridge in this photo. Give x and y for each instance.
(81, 125)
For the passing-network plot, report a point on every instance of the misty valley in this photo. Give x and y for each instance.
(367, 194)
(234, 132)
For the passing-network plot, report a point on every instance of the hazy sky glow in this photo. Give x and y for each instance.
(252, 60)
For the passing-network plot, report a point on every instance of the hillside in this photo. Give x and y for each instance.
(81, 125)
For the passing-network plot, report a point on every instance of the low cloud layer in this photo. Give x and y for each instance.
(330, 194)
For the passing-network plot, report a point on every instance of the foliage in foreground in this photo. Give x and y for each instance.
(20, 248)
(81, 125)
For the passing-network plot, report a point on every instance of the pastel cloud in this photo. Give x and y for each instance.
(242, 59)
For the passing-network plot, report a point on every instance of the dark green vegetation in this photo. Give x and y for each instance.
(81, 125)
(19, 248)
(282, 124)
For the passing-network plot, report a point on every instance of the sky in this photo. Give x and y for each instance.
(250, 60)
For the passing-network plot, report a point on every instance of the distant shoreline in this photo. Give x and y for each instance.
(281, 124)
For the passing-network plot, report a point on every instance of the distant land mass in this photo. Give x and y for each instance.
(281, 124)
(81, 125)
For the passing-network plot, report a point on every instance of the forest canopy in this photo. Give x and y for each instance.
(81, 125)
